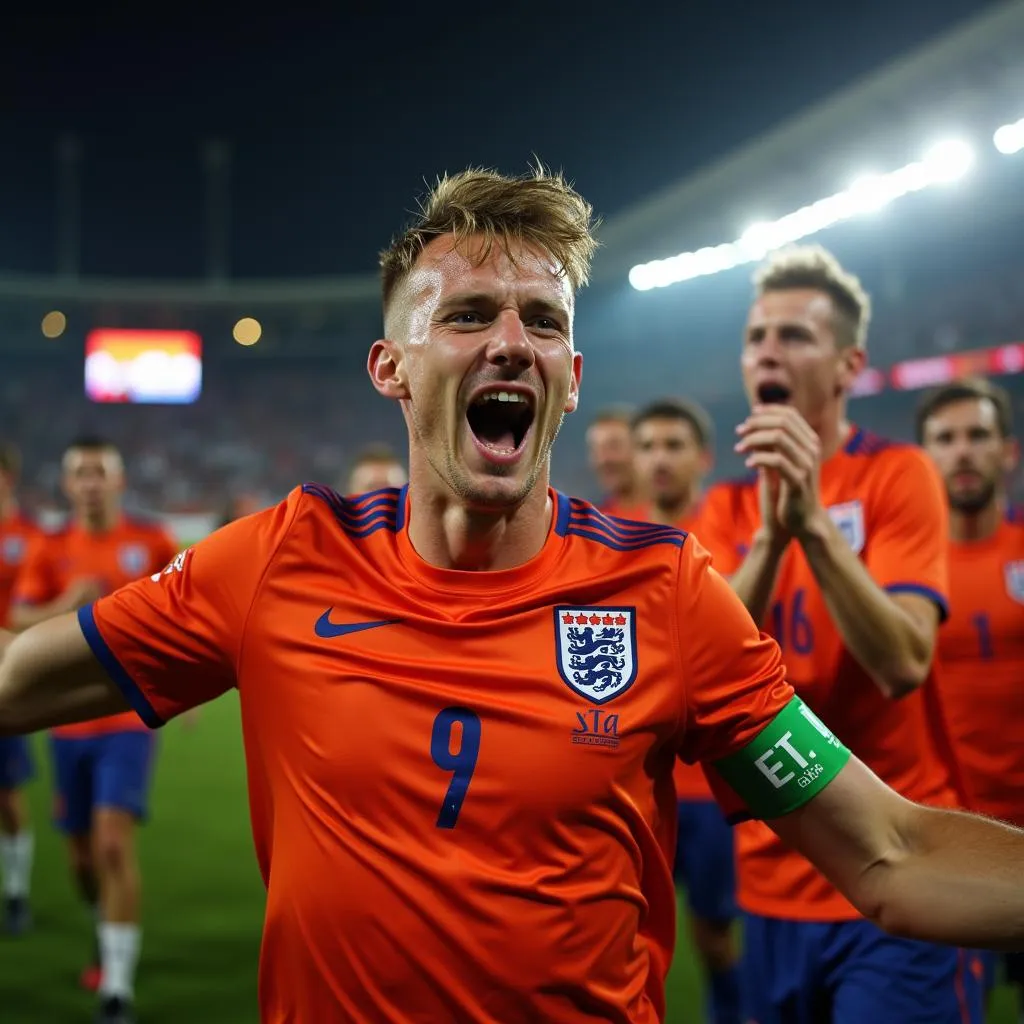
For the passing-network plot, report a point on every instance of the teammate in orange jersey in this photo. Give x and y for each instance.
(672, 441)
(16, 767)
(610, 455)
(102, 768)
(462, 701)
(375, 469)
(836, 544)
(967, 429)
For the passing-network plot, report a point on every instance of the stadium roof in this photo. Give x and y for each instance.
(967, 81)
(970, 80)
(334, 291)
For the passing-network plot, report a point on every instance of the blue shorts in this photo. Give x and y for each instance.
(706, 861)
(851, 972)
(112, 770)
(16, 764)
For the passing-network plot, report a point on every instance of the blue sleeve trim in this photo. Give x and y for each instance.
(562, 512)
(106, 657)
(917, 588)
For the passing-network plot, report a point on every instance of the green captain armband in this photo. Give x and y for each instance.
(790, 761)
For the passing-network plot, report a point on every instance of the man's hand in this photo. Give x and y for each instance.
(786, 452)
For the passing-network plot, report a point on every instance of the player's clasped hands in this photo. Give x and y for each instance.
(778, 442)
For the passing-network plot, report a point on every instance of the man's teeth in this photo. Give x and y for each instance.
(502, 396)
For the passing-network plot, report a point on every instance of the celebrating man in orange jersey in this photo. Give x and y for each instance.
(462, 701)
(16, 767)
(836, 543)
(101, 768)
(672, 443)
(967, 430)
(610, 455)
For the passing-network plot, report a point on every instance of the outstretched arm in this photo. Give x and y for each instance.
(922, 873)
(50, 676)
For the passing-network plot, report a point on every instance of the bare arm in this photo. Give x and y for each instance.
(892, 636)
(754, 581)
(922, 873)
(49, 676)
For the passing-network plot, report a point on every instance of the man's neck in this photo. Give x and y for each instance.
(833, 432)
(965, 527)
(98, 524)
(448, 535)
(628, 497)
(8, 507)
(670, 513)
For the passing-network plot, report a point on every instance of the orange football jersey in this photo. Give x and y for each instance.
(16, 534)
(888, 501)
(690, 780)
(981, 659)
(124, 553)
(460, 782)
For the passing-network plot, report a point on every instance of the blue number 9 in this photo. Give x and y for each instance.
(461, 765)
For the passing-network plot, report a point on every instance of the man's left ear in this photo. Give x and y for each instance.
(572, 399)
(386, 367)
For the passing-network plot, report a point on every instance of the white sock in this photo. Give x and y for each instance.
(119, 951)
(16, 863)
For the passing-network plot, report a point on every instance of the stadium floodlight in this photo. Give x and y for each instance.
(53, 324)
(948, 160)
(944, 162)
(247, 331)
(1010, 138)
(872, 192)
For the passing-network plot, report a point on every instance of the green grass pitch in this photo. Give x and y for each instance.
(203, 900)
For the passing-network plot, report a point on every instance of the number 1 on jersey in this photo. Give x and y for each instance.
(984, 631)
(461, 765)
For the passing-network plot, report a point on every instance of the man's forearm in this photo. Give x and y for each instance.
(754, 581)
(883, 638)
(956, 879)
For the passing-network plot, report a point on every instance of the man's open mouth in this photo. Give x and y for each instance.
(500, 420)
(773, 394)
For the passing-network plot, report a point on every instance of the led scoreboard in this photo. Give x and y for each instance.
(147, 367)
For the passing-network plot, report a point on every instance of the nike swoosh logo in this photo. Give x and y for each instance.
(328, 630)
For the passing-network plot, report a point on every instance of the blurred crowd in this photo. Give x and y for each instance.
(264, 424)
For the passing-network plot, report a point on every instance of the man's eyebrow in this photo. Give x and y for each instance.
(476, 299)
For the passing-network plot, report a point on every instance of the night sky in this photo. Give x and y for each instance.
(336, 120)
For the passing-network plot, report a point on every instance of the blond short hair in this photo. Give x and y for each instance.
(539, 208)
(811, 266)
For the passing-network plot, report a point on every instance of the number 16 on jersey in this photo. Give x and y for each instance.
(461, 765)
